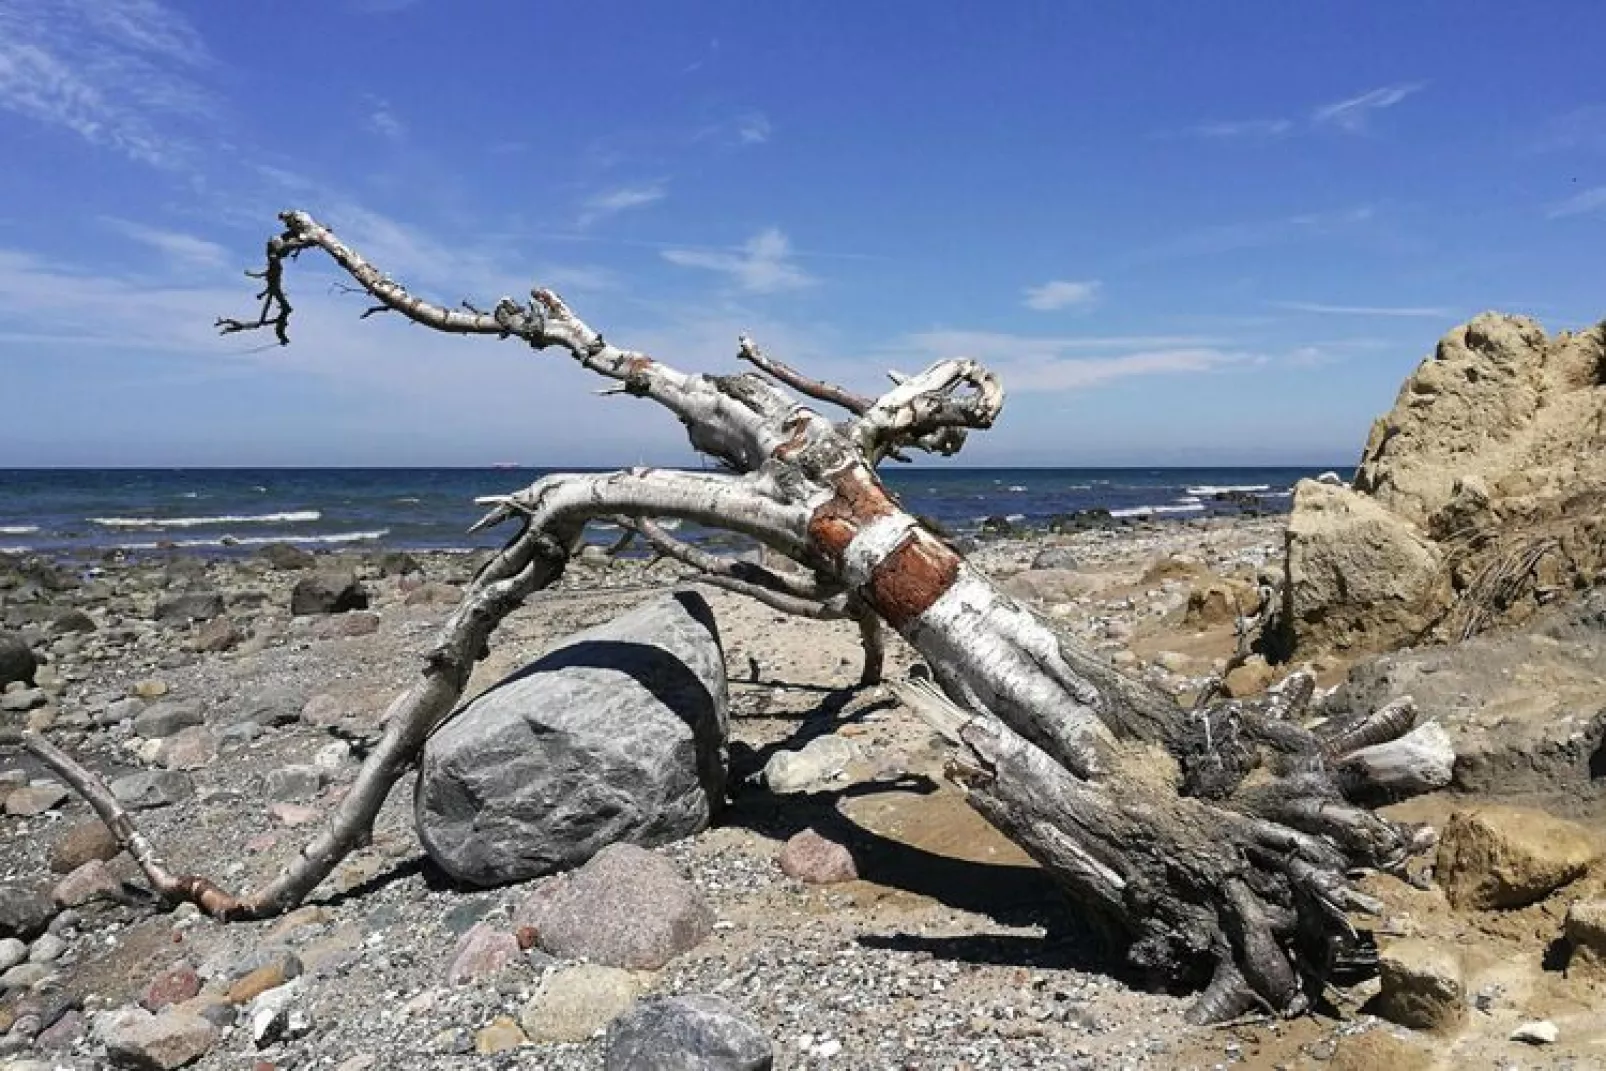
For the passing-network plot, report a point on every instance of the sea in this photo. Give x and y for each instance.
(71, 512)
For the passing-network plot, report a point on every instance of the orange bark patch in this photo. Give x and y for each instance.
(911, 578)
(859, 499)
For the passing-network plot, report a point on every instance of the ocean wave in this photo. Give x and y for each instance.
(1016, 487)
(1213, 489)
(18, 529)
(1145, 511)
(16, 550)
(254, 541)
(301, 516)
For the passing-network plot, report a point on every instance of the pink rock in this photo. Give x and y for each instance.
(173, 986)
(92, 881)
(482, 951)
(814, 860)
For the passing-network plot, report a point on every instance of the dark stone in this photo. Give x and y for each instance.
(618, 734)
(997, 525)
(694, 1032)
(24, 913)
(327, 593)
(17, 662)
(152, 788)
(288, 556)
(72, 621)
(188, 606)
(164, 719)
(398, 563)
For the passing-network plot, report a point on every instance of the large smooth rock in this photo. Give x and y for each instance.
(617, 734)
(1504, 857)
(627, 907)
(695, 1032)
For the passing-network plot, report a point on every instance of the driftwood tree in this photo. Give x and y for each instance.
(1214, 845)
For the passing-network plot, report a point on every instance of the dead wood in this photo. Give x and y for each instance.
(1214, 845)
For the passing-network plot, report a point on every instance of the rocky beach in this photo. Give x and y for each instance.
(855, 913)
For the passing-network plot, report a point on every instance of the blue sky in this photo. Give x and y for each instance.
(1184, 233)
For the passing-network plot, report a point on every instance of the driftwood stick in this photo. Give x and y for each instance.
(785, 374)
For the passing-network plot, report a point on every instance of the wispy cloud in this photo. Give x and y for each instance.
(1241, 128)
(753, 129)
(383, 120)
(1039, 364)
(1063, 294)
(763, 264)
(117, 73)
(1352, 115)
(1252, 234)
(183, 249)
(1581, 128)
(743, 128)
(1408, 311)
(1586, 202)
(622, 199)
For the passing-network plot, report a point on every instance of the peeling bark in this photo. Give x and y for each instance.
(1211, 845)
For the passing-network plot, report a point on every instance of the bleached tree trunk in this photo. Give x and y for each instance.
(1212, 845)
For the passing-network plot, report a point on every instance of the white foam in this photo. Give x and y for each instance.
(1016, 487)
(1213, 489)
(252, 541)
(301, 516)
(18, 529)
(1145, 511)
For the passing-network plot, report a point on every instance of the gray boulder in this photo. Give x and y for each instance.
(17, 662)
(327, 593)
(24, 913)
(189, 606)
(152, 788)
(695, 1032)
(616, 734)
(166, 718)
